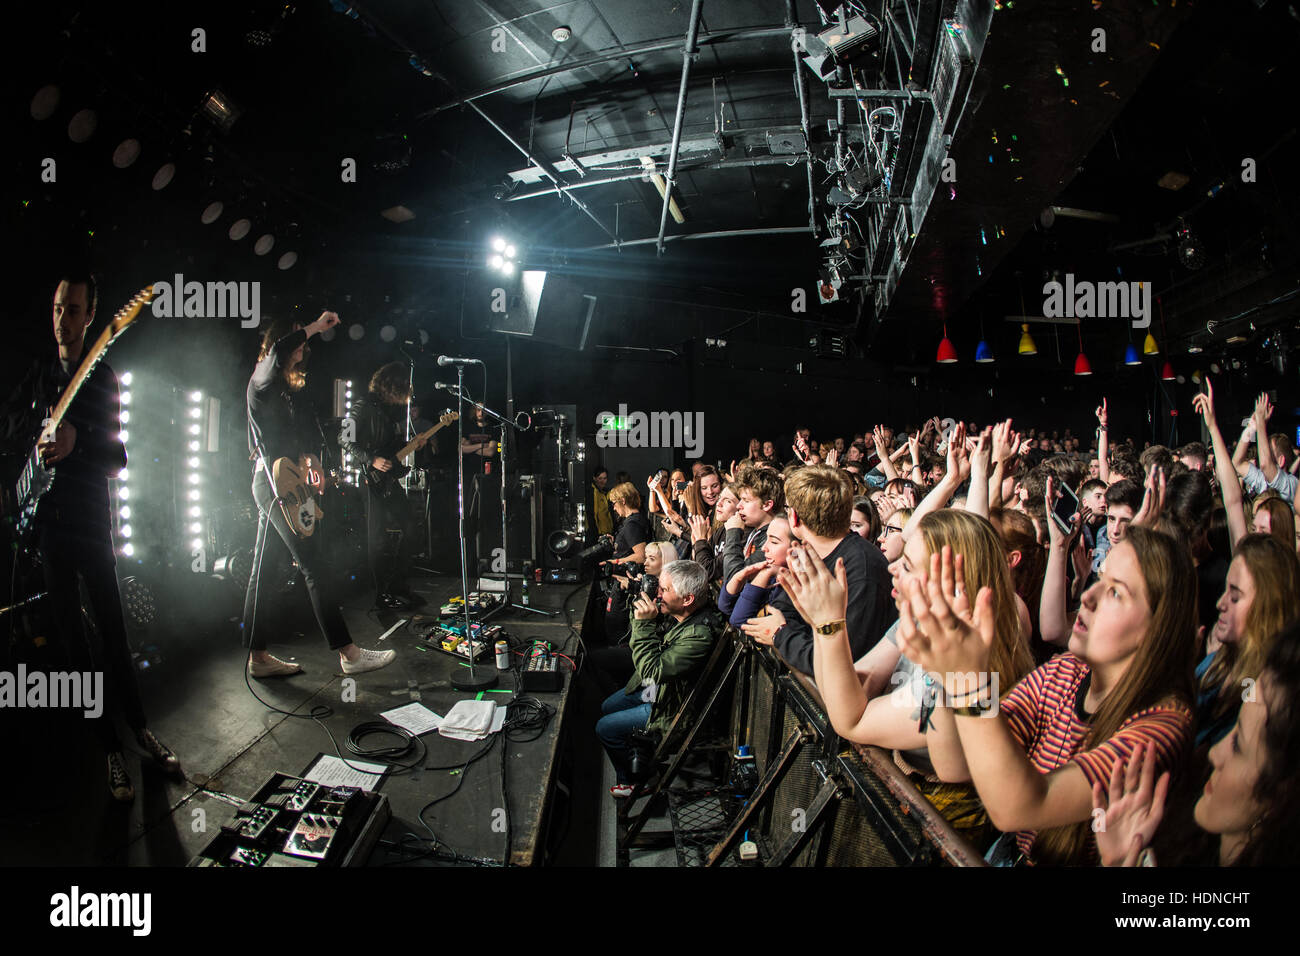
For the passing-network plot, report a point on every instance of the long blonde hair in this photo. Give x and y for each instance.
(984, 565)
(1276, 574)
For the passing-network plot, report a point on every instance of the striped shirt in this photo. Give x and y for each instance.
(1045, 714)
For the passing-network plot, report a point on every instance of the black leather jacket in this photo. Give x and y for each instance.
(378, 430)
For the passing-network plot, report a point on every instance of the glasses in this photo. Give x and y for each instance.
(893, 529)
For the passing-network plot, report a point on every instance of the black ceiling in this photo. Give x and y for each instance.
(1184, 87)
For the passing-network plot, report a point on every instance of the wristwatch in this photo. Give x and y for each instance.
(830, 627)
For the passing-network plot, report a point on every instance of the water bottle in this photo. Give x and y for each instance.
(526, 590)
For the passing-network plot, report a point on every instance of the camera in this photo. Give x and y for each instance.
(647, 584)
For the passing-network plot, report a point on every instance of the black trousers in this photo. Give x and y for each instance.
(322, 581)
(387, 521)
(68, 554)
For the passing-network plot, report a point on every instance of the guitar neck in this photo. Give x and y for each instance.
(87, 366)
(410, 446)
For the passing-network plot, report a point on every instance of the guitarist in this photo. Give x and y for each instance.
(372, 435)
(279, 426)
(73, 523)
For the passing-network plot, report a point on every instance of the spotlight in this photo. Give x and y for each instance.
(220, 110)
(45, 102)
(194, 494)
(239, 229)
(82, 126)
(196, 527)
(510, 252)
(124, 435)
(126, 398)
(124, 492)
(264, 244)
(496, 262)
(123, 475)
(126, 531)
(194, 429)
(126, 378)
(196, 543)
(194, 446)
(194, 462)
(124, 416)
(195, 511)
(194, 412)
(196, 396)
(499, 244)
(508, 268)
(125, 512)
(163, 177)
(194, 479)
(212, 212)
(127, 152)
(127, 549)
(286, 261)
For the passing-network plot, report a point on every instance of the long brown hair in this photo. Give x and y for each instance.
(1016, 529)
(694, 498)
(1281, 520)
(391, 383)
(295, 376)
(984, 564)
(1160, 671)
(1276, 573)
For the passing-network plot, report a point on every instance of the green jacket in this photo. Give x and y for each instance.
(671, 660)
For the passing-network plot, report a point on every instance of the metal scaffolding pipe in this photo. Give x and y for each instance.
(688, 56)
(723, 234)
(639, 174)
(801, 88)
(550, 171)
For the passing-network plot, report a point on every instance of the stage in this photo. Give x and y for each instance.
(57, 809)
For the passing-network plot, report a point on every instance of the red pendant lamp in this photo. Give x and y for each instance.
(1081, 364)
(947, 354)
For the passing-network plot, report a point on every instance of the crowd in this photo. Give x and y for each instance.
(1043, 635)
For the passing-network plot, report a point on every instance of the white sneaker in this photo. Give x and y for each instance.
(368, 661)
(272, 667)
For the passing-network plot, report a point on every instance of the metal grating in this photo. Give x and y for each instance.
(699, 819)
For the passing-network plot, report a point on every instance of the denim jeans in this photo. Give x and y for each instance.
(624, 713)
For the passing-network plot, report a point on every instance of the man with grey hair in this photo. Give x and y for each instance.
(672, 636)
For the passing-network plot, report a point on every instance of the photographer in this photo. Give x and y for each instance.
(671, 639)
(629, 548)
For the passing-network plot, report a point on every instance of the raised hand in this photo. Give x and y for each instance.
(981, 456)
(832, 457)
(939, 630)
(699, 528)
(1153, 498)
(1103, 416)
(959, 464)
(1204, 403)
(1131, 810)
(816, 594)
(1263, 412)
(882, 446)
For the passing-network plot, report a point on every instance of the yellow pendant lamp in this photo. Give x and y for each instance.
(1027, 346)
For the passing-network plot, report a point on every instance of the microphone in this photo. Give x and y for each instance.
(442, 385)
(449, 360)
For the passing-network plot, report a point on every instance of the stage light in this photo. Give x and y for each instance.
(264, 244)
(212, 212)
(45, 102)
(126, 378)
(196, 527)
(194, 446)
(194, 494)
(125, 512)
(194, 412)
(127, 152)
(124, 435)
(195, 511)
(124, 492)
(508, 268)
(162, 179)
(239, 229)
(194, 429)
(123, 475)
(496, 262)
(127, 549)
(82, 126)
(196, 396)
(511, 252)
(124, 416)
(194, 479)
(126, 398)
(286, 262)
(196, 543)
(126, 531)
(498, 244)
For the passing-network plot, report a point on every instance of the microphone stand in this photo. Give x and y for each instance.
(465, 680)
(405, 482)
(507, 600)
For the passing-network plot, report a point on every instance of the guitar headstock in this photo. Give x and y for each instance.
(129, 312)
(448, 417)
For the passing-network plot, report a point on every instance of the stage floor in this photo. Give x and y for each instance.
(56, 808)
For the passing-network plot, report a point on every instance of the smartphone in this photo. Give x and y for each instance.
(1066, 506)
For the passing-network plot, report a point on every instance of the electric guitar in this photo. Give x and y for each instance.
(383, 482)
(294, 487)
(36, 478)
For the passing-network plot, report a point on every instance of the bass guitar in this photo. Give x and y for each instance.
(37, 479)
(383, 482)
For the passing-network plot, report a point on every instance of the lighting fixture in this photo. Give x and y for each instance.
(1027, 346)
(947, 354)
(1131, 356)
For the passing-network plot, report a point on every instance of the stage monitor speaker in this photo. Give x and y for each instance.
(548, 308)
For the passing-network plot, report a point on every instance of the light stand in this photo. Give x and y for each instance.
(465, 679)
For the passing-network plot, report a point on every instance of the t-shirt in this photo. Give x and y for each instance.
(1209, 728)
(908, 672)
(1284, 483)
(1211, 579)
(632, 531)
(1045, 714)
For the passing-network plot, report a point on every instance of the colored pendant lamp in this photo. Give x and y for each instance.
(983, 354)
(947, 354)
(1149, 346)
(1131, 356)
(1167, 373)
(1081, 366)
(1027, 346)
